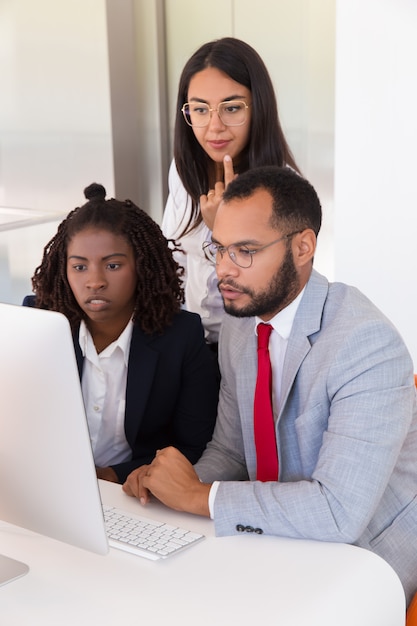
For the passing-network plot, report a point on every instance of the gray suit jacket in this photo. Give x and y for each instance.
(346, 431)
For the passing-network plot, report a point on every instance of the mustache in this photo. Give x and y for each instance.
(231, 283)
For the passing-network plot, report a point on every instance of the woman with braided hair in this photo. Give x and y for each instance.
(147, 376)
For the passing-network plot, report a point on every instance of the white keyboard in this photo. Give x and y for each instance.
(145, 537)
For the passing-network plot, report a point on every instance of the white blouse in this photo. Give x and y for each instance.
(201, 293)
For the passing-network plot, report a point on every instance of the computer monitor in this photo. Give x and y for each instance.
(48, 481)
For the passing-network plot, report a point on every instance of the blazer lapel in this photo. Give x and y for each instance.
(307, 322)
(143, 360)
(78, 354)
(246, 372)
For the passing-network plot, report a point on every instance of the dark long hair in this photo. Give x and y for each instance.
(159, 293)
(267, 144)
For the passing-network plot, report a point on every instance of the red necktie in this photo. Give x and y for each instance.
(264, 427)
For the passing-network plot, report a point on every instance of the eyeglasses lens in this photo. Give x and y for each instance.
(231, 113)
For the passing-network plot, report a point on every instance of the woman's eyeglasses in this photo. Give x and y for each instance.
(231, 113)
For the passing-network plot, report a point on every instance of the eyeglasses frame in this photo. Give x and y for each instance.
(211, 110)
(252, 253)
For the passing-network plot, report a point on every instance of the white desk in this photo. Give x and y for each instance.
(245, 580)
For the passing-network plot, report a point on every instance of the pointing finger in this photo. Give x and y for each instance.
(229, 174)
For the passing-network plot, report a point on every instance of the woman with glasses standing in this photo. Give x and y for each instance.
(226, 123)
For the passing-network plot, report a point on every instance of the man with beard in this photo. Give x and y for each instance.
(338, 462)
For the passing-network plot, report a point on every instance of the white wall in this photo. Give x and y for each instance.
(55, 122)
(375, 155)
(296, 40)
(56, 136)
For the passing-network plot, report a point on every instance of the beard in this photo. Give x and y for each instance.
(282, 290)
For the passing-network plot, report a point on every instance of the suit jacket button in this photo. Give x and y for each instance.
(240, 528)
(249, 529)
(259, 531)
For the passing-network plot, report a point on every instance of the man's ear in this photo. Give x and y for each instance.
(304, 247)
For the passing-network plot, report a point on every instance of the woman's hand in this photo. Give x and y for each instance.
(209, 202)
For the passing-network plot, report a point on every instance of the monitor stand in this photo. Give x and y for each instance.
(10, 569)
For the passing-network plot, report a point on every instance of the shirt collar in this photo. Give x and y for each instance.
(282, 322)
(122, 342)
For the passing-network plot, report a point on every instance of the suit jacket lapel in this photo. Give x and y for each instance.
(78, 354)
(143, 360)
(307, 322)
(246, 372)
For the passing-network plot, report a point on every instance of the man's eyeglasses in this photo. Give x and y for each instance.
(231, 113)
(241, 255)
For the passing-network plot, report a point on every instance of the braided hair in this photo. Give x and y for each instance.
(159, 291)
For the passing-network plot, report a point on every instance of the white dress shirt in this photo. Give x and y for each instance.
(282, 324)
(104, 391)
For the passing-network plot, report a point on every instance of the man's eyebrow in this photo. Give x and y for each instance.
(243, 242)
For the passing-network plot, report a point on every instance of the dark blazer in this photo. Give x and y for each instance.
(171, 392)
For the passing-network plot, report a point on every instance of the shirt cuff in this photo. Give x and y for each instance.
(212, 496)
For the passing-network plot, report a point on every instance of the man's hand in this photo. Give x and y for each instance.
(209, 203)
(172, 479)
(107, 473)
(134, 484)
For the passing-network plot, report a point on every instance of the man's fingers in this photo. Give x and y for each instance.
(134, 486)
(127, 489)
